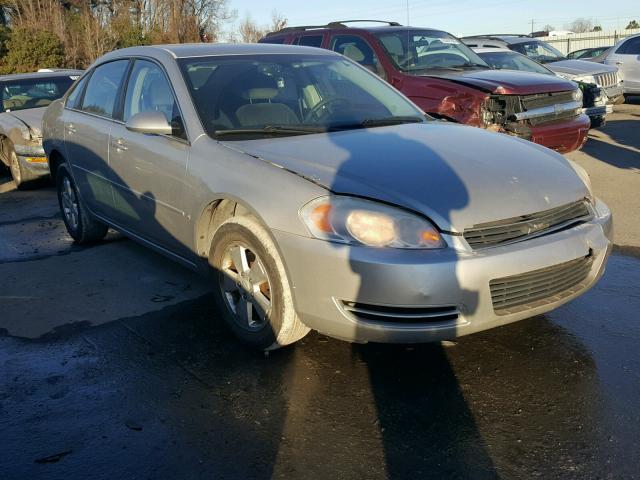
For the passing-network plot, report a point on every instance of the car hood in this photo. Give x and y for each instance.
(31, 117)
(456, 175)
(510, 82)
(579, 67)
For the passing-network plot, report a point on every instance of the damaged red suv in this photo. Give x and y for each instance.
(449, 81)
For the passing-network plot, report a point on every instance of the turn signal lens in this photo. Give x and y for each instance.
(320, 217)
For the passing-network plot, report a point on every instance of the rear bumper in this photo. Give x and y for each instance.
(324, 276)
(563, 136)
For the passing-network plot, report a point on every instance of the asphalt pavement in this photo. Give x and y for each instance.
(114, 364)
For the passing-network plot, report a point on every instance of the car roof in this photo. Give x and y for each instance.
(508, 39)
(187, 50)
(492, 49)
(35, 75)
(343, 28)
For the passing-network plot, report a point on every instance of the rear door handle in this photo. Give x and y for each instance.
(119, 144)
(619, 63)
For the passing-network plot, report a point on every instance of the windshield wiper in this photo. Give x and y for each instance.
(473, 65)
(378, 122)
(272, 130)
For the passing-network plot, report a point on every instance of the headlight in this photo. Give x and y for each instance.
(577, 95)
(584, 176)
(585, 79)
(363, 222)
(29, 150)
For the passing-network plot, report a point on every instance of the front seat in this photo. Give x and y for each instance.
(260, 111)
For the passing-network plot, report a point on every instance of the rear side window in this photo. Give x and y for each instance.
(103, 87)
(73, 100)
(630, 47)
(310, 41)
(276, 40)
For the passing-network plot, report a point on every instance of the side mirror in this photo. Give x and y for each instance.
(149, 122)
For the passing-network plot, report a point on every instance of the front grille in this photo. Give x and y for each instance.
(492, 234)
(539, 287)
(539, 100)
(393, 314)
(608, 79)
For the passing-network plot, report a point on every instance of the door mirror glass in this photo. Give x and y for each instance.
(149, 122)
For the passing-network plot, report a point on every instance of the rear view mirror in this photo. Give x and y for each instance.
(149, 122)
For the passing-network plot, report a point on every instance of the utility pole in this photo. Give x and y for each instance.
(532, 26)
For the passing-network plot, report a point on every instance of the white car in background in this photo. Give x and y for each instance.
(626, 56)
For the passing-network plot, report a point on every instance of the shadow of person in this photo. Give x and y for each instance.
(439, 436)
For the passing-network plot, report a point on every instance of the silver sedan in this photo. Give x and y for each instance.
(319, 197)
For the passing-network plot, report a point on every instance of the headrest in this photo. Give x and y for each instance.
(160, 92)
(353, 52)
(264, 93)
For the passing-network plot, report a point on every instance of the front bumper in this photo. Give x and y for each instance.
(323, 275)
(562, 136)
(614, 92)
(36, 165)
(599, 111)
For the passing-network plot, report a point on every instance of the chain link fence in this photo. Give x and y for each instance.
(578, 41)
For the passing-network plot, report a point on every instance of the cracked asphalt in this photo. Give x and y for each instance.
(114, 364)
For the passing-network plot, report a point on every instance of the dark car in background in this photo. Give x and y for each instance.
(585, 53)
(594, 99)
(447, 80)
(24, 100)
(605, 76)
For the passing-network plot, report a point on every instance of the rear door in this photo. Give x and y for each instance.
(88, 121)
(627, 58)
(149, 170)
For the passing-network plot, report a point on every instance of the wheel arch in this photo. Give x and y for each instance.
(55, 160)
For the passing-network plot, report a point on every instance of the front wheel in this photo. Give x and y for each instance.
(82, 227)
(21, 177)
(251, 286)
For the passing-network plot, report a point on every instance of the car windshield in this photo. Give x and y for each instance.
(280, 95)
(539, 51)
(34, 92)
(508, 60)
(414, 51)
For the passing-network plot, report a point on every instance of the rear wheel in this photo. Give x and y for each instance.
(82, 227)
(251, 287)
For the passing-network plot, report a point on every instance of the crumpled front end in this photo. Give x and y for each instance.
(555, 120)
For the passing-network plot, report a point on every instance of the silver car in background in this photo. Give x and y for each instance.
(319, 197)
(25, 97)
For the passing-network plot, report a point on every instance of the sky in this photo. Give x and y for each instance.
(459, 17)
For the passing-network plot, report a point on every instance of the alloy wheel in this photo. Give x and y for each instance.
(245, 287)
(70, 203)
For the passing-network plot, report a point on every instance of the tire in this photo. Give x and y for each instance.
(23, 179)
(82, 227)
(262, 289)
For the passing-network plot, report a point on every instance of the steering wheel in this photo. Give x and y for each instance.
(323, 104)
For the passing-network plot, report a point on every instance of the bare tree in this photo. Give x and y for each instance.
(580, 25)
(548, 28)
(250, 31)
(278, 21)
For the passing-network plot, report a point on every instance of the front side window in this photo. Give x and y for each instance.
(34, 92)
(414, 51)
(149, 90)
(538, 51)
(508, 60)
(291, 94)
(630, 47)
(102, 89)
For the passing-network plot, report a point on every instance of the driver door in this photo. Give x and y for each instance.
(149, 170)
(627, 58)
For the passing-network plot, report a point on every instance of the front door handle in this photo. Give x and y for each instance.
(70, 128)
(619, 63)
(119, 144)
